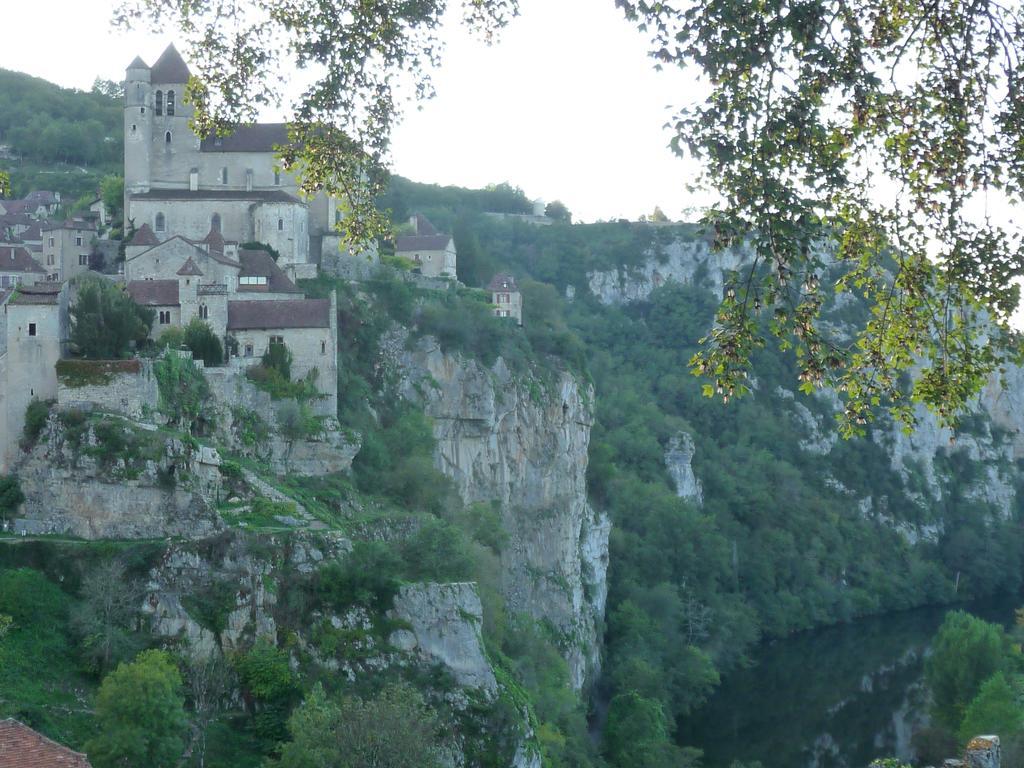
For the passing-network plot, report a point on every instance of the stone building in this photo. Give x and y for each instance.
(17, 267)
(36, 330)
(505, 295)
(431, 251)
(179, 183)
(66, 246)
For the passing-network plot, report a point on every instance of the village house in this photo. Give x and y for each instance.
(37, 205)
(432, 252)
(17, 267)
(66, 246)
(505, 295)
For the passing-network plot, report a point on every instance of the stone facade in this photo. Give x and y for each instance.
(66, 248)
(507, 300)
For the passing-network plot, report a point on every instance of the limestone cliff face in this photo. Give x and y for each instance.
(508, 438)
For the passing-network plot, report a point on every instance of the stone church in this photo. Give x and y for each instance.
(179, 183)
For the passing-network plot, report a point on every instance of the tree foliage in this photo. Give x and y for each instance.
(105, 322)
(393, 729)
(995, 709)
(104, 616)
(874, 133)
(140, 715)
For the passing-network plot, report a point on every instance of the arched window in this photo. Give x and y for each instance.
(159, 102)
(160, 223)
(215, 222)
(170, 103)
(280, 225)
(167, 138)
(224, 175)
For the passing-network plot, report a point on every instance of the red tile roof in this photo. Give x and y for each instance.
(290, 313)
(21, 747)
(15, 258)
(154, 293)
(144, 235)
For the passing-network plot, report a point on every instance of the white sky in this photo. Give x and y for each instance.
(566, 105)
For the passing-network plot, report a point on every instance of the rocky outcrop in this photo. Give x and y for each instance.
(684, 262)
(521, 441)
(445, 621)
(71, 490)
(678, 462)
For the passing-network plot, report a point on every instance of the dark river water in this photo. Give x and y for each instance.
(833, 698)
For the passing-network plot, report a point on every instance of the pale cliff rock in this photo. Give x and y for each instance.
(521, 442)
(446, 621)
(678, 462)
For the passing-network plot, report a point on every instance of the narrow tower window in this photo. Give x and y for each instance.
(280, 225)
(170, 103)
(160, 223)
(159, 106)
(224, 175)
(277, 178)
(167, 138)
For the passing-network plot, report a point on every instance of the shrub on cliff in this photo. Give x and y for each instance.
(105, 322)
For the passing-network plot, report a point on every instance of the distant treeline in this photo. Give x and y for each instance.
(43, 123)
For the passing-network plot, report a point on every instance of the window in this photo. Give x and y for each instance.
(337, 217)
(160, 223)
(31, 329)
(133, 129)
(159, 102)
(280, 225)
(83, 260)
(224, 175)
(277, 340)
(323, 347)
(252, 280)
(78, 240)
(204, 312)
(248, 350)
(165, 317)
(51, 242)
(170, 103)
(49, 260)
(277, 178)
(167, 138)
(215, 222)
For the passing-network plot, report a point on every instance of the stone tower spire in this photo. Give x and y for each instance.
(138, 129)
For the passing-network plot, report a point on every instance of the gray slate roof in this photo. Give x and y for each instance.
(261, 137)
(170, 68)
(144, 235)
(289, 313)
(154, 293)
(15, 258)
(40, 293)
(421, 243)
(503, 282)
(256, 196)
(258, 263)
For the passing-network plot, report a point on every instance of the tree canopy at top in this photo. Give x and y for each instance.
(876, 134)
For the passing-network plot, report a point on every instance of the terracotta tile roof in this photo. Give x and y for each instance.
(21, 747)
(15, 258)
(40, 293)
(14, 207)
(144, 235)
(42, 197)
(421, 243)
(260, 263)
(170, 68)
(503, 282)
(154, 293)
(215, 240)
(262, 196)
(269, 314)
(261, 137)
(190, 268)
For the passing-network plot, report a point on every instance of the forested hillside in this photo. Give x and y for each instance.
(58, 138)
(783, 540)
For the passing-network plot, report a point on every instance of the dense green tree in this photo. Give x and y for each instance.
(967, 651)
(200, 338)
(140, 715)
(112, 195)
(104, 616)
(269, 689)
(637, 734)
(996, 709)
(557, 210)
(393, 729)
(105, 322)
(11, 496)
